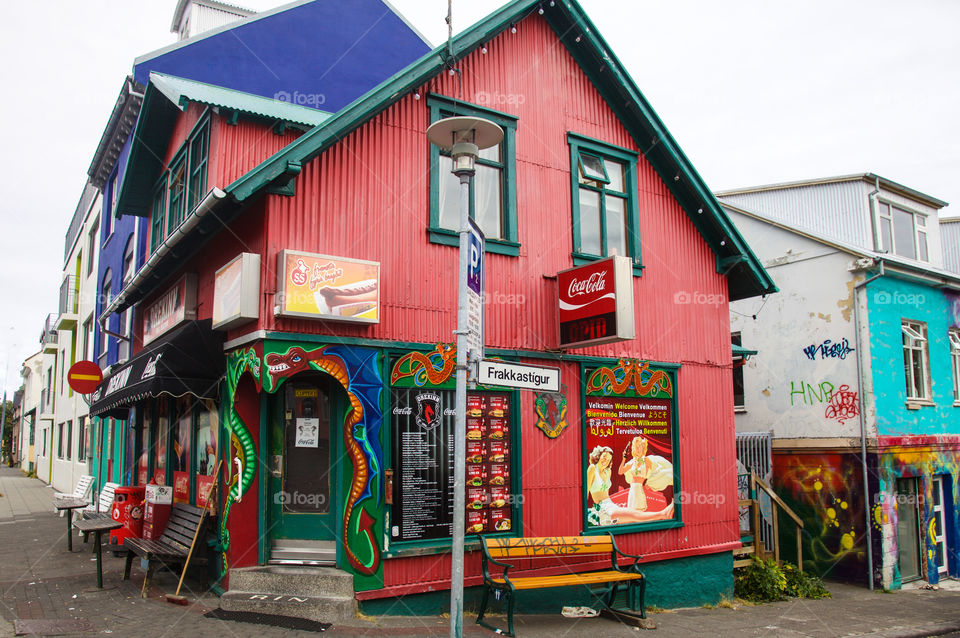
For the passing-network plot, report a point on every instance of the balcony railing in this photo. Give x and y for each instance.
(48, 338)
(68, 296)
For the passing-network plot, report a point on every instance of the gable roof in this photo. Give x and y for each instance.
(746, 277)
(870, 178)
(166, 96)
(868, 258)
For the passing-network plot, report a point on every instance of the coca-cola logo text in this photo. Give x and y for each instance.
(595, 283)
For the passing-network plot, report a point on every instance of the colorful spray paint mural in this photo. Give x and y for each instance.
(357, 371)
(929, 462)
(826, 491)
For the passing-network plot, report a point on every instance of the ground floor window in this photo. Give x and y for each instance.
(423, 410)
(82, 439)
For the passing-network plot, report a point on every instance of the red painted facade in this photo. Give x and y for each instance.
(368, 198)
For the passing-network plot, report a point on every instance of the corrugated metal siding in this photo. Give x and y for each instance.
(950, 237)
(367, 198)
(236, 149)
(838, 210)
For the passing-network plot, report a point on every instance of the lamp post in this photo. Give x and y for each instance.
(463, 137)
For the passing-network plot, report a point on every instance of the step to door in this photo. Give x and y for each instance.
(293, 581)
(331, 609)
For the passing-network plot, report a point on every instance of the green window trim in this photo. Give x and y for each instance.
(580, 147)
(158, 213)
(177, 197)
(508, 244)
(198, 144)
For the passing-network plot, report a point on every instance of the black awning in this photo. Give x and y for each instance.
(188, 360)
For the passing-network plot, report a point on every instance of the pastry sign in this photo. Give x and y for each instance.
(330, 288)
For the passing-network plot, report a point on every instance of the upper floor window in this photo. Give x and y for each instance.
(182, 186)
(104, 302)
(916, 362)
(110, 207)
(128, 260)
(605, 216)
(493, 199)
(92, 245)
(955, 362)
(739, 402)
(903, 233)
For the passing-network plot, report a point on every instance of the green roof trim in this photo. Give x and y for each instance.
(740, 351)
(181, 92)
(164, 98)
(746, 276)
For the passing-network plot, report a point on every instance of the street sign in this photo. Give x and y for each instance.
(475, 283)
(519, 375)
(84, 377)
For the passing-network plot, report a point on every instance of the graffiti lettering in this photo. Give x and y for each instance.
(806, 394)
(843, 405)
(829, 350)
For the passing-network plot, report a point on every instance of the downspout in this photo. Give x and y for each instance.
(863, 418)
(872, 199)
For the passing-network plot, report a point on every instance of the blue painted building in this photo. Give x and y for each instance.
(318, 54)
(858, 372)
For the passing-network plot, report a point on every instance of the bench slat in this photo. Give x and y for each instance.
(566, 580)
(548, 546)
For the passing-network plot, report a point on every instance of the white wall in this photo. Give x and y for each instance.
(785, 390)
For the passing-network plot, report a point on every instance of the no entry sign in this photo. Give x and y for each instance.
(84, 376)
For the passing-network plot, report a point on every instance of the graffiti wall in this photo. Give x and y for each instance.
(922, 459)
(826, 491)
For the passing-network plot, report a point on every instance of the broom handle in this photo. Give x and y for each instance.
(206, 505)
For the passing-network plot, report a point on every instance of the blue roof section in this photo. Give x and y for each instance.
(321, 53)
(181, 92)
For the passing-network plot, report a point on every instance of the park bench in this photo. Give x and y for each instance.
(171, 548)
(566, 552)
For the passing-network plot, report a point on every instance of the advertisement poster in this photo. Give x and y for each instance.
(423, 424)
(308, 430)
(630, 455)
(322, 287)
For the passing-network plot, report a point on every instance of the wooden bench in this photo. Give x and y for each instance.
(559, 550)
(171, 549)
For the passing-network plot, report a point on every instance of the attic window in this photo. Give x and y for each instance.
(592, 168)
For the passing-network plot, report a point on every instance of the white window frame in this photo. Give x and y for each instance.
(915, 345)
(885, 214)
(954, 336)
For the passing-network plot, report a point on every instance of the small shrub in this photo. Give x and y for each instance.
(803, 585)
(762, 581)
(766, 581)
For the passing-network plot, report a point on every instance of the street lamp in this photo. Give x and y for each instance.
(463, 137)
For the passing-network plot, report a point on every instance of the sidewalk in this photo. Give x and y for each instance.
(40, 581)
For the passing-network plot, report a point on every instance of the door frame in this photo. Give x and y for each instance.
(274, 426)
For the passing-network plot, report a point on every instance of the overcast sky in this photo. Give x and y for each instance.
(755, 92)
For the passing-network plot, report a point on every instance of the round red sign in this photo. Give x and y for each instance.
(84, 376)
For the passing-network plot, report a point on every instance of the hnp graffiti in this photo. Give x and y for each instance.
(802, 393)
(829, 350)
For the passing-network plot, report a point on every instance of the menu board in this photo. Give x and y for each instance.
(423, 425)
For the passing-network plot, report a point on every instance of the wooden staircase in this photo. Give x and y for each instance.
(751, 543)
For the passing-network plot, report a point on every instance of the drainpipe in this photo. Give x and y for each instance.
(863, 418)
(872, 199)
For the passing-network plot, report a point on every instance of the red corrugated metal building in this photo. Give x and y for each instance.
(328, 263)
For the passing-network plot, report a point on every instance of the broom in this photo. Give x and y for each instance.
(176, 598)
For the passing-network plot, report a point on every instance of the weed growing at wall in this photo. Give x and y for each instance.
(765, 581)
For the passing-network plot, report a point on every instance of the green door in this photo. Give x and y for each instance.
(304, 446)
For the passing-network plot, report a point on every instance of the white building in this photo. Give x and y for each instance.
(31, 441)
(950, 235)
(69, 442)
(196, 16)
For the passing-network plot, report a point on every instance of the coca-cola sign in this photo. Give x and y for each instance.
(596, 303)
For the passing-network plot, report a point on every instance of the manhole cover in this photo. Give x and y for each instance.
(50, 627)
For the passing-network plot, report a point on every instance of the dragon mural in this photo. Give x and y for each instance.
(356, 372)
(238, 362)
(646, 382)
(434, 368)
